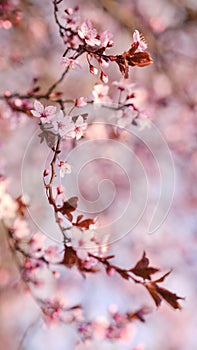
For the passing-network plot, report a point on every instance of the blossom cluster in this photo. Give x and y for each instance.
(82, 37)
(62, 124)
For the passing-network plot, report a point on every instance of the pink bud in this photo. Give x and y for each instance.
(46, 172)
(110, 271)
(56, 274)
(69, 11)
(104, 77)
(80, 102)
(18, 102)
(60, 189)
(7, 93)
(93, 70)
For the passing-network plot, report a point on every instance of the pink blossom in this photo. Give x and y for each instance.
(138, 38)
(103, 63)
(81, 102)
(72, 18)
(52, 310)
(63, 124)
(70, 62)
(83, 241)
(100, 93)
(123, 86)
(53, 254)
(89, 34)
(8, 207)
(46, 114)
(65, 168)
(126, 117)
(104, 77)
(93, 69)
(105, 39)
(36, 242)
(143, 121)
(80, 126)
(20, 228)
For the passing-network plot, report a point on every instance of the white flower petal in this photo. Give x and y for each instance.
(38, 106)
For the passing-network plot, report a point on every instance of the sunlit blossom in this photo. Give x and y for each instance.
(138, 38)
(46, 114)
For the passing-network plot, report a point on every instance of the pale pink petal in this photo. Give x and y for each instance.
(38, 106)
(50, 110)
(35, 113)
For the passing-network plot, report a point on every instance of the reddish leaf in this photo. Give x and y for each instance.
(133, 48)
(122, 273)
(151, 289)
(79, 217)
(140, 59)
(161, 279)
(124, 69)
(70, 257)
(142, 268)
(169, 297)
(84, 224)
(69, 206)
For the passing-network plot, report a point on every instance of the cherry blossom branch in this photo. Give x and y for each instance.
(49, 189)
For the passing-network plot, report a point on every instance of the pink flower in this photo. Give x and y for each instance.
(123, 86)
(8, 207)
(36, 242)
(63, 124)
(89, 34)
(65, 168)
(105, 39)
(80, 126)
(20, 228)
(81, 102)
(52, 310)
(46, 114)
(93, 69)
(83, 241)
(100, 92)
(143, 121)
(137, 37)
(126, 117)
(104, 77)
(70, 62)
(53, 254)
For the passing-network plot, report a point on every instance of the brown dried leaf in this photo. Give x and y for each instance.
(161, 279)
(124, 274)
(140, 59)
(84, 223)
(70, 257)
(69, 206)
(142, 268)
(153, 292)
(169, 297)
